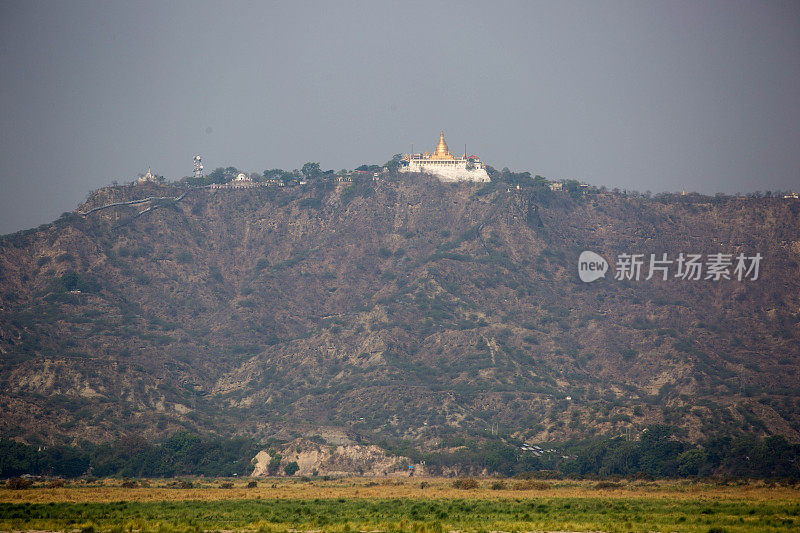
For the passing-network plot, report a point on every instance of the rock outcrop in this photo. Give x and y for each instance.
(315, 459)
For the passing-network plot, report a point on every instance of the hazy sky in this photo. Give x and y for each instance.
(649, 96)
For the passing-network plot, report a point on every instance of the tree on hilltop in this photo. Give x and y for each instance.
(394, 163)
(221, 175)
(311, 170)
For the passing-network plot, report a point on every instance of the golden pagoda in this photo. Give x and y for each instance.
(149, 177)
(442, 152)
(445, 165)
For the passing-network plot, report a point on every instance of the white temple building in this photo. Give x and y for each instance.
(444, 165)
(147, 178)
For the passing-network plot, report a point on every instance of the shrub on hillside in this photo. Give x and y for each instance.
(19, 483)
(465, 483)
(313, 203)
(291, 468)
(540, 474)
(274, 463)
(603, 485)
(184, 257)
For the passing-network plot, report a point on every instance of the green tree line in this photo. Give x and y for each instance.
(183, 453)
(657, 453)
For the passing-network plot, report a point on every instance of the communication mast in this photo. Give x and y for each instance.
(198, 167)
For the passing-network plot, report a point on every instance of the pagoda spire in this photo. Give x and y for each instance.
(442, 151)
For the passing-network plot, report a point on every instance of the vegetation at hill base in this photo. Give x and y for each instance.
(181, 454)
(655, 455)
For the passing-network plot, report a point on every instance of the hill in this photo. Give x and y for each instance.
(402, 310)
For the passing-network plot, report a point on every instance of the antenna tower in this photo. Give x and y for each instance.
(198, 167)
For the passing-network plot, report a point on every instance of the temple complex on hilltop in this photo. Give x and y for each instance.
(444, 165)
(147, 178)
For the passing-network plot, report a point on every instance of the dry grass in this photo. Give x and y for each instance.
(342, 505)
(366, 488)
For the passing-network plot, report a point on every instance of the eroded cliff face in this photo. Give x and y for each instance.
(315, 459)
(402, 309)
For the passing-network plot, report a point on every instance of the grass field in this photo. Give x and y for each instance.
(403, 505)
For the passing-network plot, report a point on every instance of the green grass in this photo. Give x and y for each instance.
(571, 514)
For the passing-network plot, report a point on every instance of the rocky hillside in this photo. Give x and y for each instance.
(399, 309)
(312, 458)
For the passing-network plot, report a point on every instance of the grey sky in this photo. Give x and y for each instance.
(649, 96)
